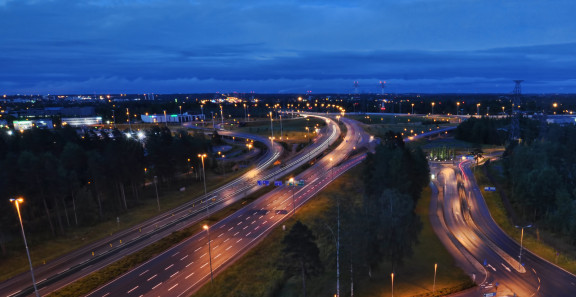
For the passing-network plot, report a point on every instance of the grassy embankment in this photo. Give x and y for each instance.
(540, 242)
(413, 278)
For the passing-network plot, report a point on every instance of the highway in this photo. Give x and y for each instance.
(186, 267)
(66, 269)
(464, 224)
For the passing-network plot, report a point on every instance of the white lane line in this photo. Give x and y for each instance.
(203, 255)
(239, 224)
(189, 264)
(151, 278)
(248, 234)
(183, 257)
(102, 295)
(264, 222)
(176, 253)
(256, 228)
(253, 222)
(248, 217)
(156, 286)
(203, 266)
(222, 226)
(226, 239)
(217, 256)
(173, 274)
(197, 249)
(538, 279)
(228, 247)
(169, 267)
(236, 233)
(141, 274)
(260, 217)
(132, 290)
(239, 240)
(189, 275)
(220, 234)
(245, 228)
(230, 228)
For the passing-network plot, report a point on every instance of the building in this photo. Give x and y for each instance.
(29, 124)
(82, 121)
(171, 118)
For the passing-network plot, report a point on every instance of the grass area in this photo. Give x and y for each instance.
(293, 130)
(539, 242)
(116, 269)
(44, 249)
(264, 279)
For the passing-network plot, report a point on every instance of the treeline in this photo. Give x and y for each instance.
(542, 180)
(70, 179)
(483, 130)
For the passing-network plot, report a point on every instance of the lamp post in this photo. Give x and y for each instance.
(433, 103)
(281, 132)
(221, 115)
(202, 110)
(165, 119)
(392, 277)
(202, 156)
(209, 253)
(434, 285)
(521, 239)
(478, 109)
(17, 202)
(291, 181)
(412, 108)
(457, 108)
(245, 117)
(156, 187)
(503, 109)
(129, 125)
(271, 127)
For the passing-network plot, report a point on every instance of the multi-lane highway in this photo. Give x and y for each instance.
(464, 224)
(187, 266)
(68, 268)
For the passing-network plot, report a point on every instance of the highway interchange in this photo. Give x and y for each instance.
(460, 216)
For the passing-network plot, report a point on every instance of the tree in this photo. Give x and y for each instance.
(300, 253)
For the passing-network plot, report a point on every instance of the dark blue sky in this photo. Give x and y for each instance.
(286, 46)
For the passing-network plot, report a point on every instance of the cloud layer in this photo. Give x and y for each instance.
(65, 46)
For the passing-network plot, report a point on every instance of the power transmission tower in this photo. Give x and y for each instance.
(516, 102)
(382, 85)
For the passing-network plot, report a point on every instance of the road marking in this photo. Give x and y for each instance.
(174, 286)
(106, 294)
(141, 274)
(228, 247)
(183, 257)
(189, 264)
(222, 226)
(174, 274)
(244, 228)
(132, 290)
(226, 239)
(217, 256)
(203, 255)
(260, 217)
(248, 234)
(239, 224)
(189, 275)
(239, 240)
(247, 218)
(169, 267)
(538, 279)
(152, 277)
(534, 271)
(197, 249)
(236, 233)
(253, 222)
(506, 267)
(256, 228)
(230, 228)
(264, 222)
(215, 247)
(176, 253)
(203, 266)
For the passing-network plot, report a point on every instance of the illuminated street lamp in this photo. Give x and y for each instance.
(17, 202)
(555, 105)
(435, 268)
(457, 108)
(412, 108)
(293, 200)
(202, 156)
(209, 253)
(433, 103)
(478, 109)
(271, 127)
(521, 238)
(392, 277)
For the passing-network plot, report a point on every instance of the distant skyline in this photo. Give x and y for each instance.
(286, 46)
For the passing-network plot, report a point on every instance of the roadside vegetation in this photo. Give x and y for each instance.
(75, 186)
(536, 182)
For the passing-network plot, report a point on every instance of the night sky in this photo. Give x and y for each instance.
(286, 46)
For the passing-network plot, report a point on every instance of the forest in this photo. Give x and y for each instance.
(70, 178)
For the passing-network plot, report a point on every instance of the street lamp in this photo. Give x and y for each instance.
(156, 187)
(209, 253)
(202, 156)
(434, 285)
(222, 116)
(291, 181)
(478, 109)
(521, 238)
(245, 117)
(433, 103)
(17, 202)
(412, 108)
(392, 277)
(271, 127)
(457, 108)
